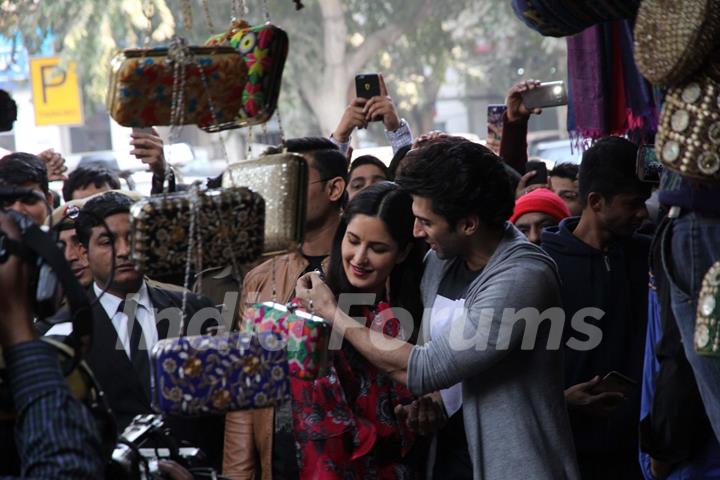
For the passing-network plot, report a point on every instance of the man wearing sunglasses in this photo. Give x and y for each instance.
(26, 171)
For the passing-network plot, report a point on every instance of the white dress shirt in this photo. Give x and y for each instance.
(145, 315)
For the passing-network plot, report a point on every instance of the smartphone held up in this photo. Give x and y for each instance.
(545, 95)
(367, 85)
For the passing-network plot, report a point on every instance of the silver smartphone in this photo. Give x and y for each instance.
(548, 94)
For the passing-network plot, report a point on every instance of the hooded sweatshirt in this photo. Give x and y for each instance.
(513, 406)
(615, 281)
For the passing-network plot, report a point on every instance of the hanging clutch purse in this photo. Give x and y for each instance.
(707, 324)
(228, 230)
(674, 38)
(306, 336)
(264, 49)
(205, 375)
(688, 138)
(142, 83)
(282, 181)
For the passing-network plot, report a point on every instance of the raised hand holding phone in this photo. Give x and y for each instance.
(516, 109)
(381, 107)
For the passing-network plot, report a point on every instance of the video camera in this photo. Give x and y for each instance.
(146, 441)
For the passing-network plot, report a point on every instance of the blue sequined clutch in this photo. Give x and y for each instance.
(206, 375)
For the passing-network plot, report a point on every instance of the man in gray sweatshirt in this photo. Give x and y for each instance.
(506, 359)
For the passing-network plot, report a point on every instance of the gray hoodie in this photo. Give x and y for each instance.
(513, 405)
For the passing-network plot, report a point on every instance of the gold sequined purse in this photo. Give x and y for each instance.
(688, 139)
(281, 179)
(707, 324)
(674, 38)
(206, 228)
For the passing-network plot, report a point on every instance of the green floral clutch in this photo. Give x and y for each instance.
(305, 335)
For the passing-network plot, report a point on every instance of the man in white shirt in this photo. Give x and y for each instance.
(129, 318)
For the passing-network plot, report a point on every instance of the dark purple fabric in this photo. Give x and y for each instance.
(643, 111)
(585, 52)
(607, 95)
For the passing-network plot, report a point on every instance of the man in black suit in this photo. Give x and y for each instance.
(130, 316)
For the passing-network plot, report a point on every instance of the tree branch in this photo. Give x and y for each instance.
(334, 32)
(388, 34)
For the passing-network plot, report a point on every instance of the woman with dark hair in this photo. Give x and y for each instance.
(345, 423)
(365, 170)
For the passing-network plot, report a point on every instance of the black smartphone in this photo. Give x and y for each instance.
(648, 166)
(615, 382)
(549, 94)
(495, 113)
(367, 85)
(541, 177)
(143, 130)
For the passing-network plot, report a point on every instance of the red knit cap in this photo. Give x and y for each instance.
(540, 200)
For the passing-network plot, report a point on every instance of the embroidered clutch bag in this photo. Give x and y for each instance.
(142, 82)
(264, 49)
(305, 336)
(228, 229)
(688, 138)
(203, 375)
(282, 181)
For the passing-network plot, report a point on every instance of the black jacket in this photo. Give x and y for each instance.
(616, 282)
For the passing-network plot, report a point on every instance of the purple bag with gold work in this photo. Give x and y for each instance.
(216, 374)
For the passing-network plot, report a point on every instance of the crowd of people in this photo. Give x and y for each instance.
(497, 310)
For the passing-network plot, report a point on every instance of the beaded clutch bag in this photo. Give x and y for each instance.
(688, 138)
(225, 225)
(204, 375)
(282, 181)
(264, 49)
(205, 86)
(707, 325)
(305, 336)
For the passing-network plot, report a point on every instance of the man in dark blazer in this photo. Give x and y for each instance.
(130, 316)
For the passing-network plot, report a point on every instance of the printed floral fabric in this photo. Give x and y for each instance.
(345, 425)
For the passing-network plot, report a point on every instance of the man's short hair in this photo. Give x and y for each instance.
(608, 168)
(82, 177)
(565, 170)
(330, 164)
(461, 179)
(302, 145)
(369, 160)
(96, 210)
(19, 168)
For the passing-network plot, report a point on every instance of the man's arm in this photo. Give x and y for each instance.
(55, 435)
(388, 354)
(513, 146)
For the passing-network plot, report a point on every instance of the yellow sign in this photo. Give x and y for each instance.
(56, 92)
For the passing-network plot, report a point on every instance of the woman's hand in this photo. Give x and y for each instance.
(316, 296)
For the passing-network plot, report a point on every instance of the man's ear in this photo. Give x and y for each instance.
(468, 225)
(335, 188)
(595, 201)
